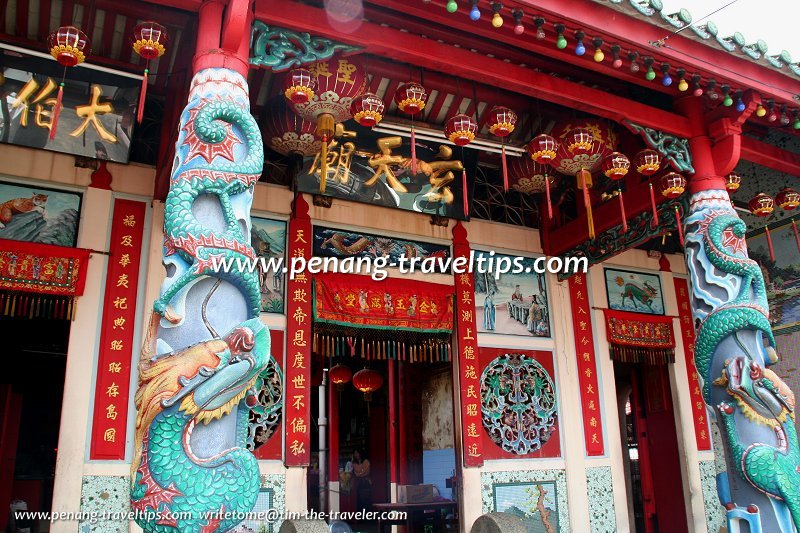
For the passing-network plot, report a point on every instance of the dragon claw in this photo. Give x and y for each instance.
(725, 408)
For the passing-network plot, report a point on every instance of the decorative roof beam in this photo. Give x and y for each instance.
(417, 50)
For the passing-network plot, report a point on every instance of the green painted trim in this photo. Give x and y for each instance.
(280, 49)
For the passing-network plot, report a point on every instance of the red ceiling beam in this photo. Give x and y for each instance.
(770, 156)
(401, 46)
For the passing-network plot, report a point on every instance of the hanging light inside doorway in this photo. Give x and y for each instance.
(340, 375)
(149, 41)
(367, 381)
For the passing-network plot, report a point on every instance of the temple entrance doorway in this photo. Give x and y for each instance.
(31, 391)
(650, 448)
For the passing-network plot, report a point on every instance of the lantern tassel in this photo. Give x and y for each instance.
(323, 168)
(505, 169)
(464, 191)
(587, 202)
(413, 152)
(653, 204)
(142, 95)
(769, 244)
(679, 223)
(56, 111)
(622, 212)
(547, 193)
(796, 235)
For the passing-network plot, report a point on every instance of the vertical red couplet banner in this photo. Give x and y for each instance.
(297, 403)
(468, 368)
(112, 388)
(587, 365)
(687, 334)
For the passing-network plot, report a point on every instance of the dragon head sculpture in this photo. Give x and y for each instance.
(761, 395)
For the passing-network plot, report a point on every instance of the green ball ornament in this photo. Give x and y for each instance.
(728, 101)
(561, 42)
(452, 6)
(651, 74)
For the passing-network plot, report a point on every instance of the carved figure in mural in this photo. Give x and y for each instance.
(197, 387)
(754, 408)
(489, 311)
(638, 294)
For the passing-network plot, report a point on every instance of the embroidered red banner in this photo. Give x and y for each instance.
(687, 334)
(640, 338)
(587, 365)
(397, 304)
(42, 268)
(297, 403)
(469, 373)
(112, 389)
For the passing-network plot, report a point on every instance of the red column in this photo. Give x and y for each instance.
(467, 356)
(393, 420)
(223, 36)
(705, 175)
(297, 402)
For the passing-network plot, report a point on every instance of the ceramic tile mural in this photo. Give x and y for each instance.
(715, 513)
(538, 497)
(602, 518)
(105, 494)
(636, 292)
(34, 214)
(268, 238)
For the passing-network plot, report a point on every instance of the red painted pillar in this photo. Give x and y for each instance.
(223, 36)
(402, 375)
(705, 176)
(393, 420)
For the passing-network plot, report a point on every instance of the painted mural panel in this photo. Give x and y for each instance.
(782, 276)
(332, 242)
(511, 304)
(269, 241)
(534, 503)
(634, 291)
(36, 214)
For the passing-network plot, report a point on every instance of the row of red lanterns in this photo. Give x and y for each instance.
(365, 380)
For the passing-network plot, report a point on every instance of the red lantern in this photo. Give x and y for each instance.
(788, 199)
(411, 98)
(67, 45)
(367, 109)
(149, 41)
(672, 185)
(367, 381)
(732, 182)
(340, 375)
(762, 205)
(502, 122)
(647, 162)
(529, 177)
(299, 85)
(579, 141)
(460, 129)
(543, 149)
(583, 146)
(616, 165)
(286, 133)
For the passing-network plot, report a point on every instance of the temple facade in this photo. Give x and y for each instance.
(529, 266)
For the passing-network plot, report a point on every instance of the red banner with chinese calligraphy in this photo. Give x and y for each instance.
(469, 382)
(587, 365)
(396, 304)
(297, 403)
(112, 388)
(640, 338)
(688, 335)
(42, 268)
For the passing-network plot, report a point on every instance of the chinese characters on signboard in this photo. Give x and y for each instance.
(687, 333)
(97, 113)
(587, 365)
(112, 390)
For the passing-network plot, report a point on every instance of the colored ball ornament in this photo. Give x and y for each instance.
(411, 97)
(788, 199)
(497, 20)
(599, 56)
(475, 13)
(367, 109)
(150, 40)
(650, 75)
(683, 85)
(287, 133)
(460, 129)
(452, 6)
(543, 149)
(740, 107)
(519, 29)
(728, 101)
(647, 162)
(732, 182)
(528, 177)
(561, 42)
(67, 45)
(299, 86)
(672, 185)
(617, 63)
(583, 146)
(340, 375)
(615, 166)
(501, 121)
(761, 205)
(761, 110)
(367, 381)
(666, 81)
(580, 48)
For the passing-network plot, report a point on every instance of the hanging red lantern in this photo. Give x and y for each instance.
(367, 109)
(672, 185)
(410, 98)
(67, 45)
(543, 149)
(762, 205)
(367, 381)
(287, 133)
(647, 162)
(732, 182)
(788, 199)
(579, 141)
(502, 122)
(299, 85)
(149, 41)
(615, 167)
(529, 177)
(340, 375)
(583, 146)
(460, 129)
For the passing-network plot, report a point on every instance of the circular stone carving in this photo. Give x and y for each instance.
(518, 403)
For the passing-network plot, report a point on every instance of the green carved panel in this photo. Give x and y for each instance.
(281, 49)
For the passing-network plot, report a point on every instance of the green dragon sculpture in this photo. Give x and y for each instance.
(191, 472)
